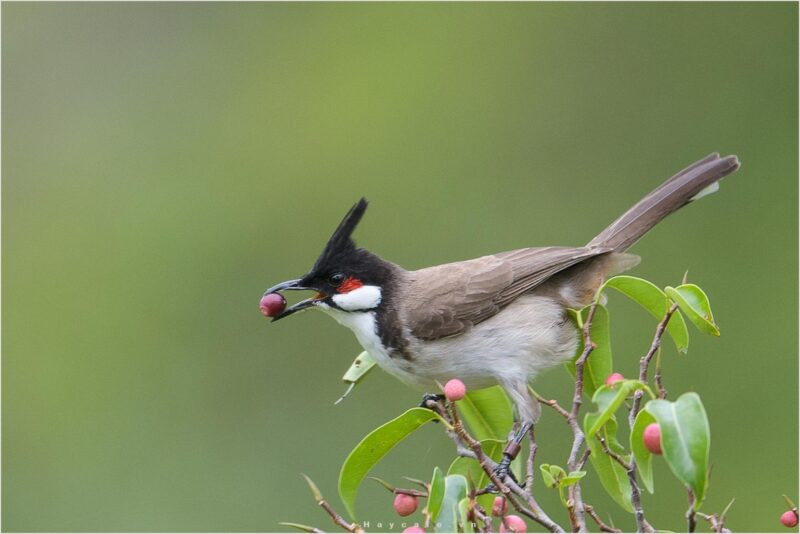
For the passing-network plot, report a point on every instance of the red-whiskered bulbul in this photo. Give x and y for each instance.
(498, 319)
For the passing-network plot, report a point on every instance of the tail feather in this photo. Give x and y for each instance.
(695, 181)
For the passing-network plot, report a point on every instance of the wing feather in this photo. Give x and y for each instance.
(449, 299)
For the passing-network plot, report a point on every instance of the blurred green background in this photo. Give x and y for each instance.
(163, 164)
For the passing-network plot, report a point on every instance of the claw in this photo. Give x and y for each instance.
(509, 453)
(501, 472)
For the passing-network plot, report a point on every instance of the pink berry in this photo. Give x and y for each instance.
(789, 518)
(652, 438)
(414, 530)
(405, 504)
(613, 378)
(272, 304)
(513, 523)
(455, 390)
(499, 506)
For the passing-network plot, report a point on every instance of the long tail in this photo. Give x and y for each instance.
(695, 181)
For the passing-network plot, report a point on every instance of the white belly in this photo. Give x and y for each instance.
(527, 336)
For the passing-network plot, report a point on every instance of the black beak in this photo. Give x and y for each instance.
(293, 285)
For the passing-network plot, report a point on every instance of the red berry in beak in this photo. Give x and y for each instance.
(789, 519)
(272, 304)
(652, 438)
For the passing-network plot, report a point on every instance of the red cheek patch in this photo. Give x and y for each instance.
(350, 284)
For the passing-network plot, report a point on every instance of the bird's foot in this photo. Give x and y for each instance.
(500, 473)
(509, 453)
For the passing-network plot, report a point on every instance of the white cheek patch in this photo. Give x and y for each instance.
(363, 298)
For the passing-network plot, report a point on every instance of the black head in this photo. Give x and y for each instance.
(342, 267)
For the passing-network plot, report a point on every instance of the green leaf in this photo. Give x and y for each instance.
(374, 447)
(474, 473)
(436, 493)
(455, 489)
(487, 413)
(599, 364)
(643, 457)
(557, 472)
(652, 299)
(358, 370)
(685, 440)
(612, 476)
(572, 478)
(694, 303)
(609, 399)
(463, 508)
(547, 477)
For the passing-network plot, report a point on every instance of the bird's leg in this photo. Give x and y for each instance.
(511, 451)
(526, 411)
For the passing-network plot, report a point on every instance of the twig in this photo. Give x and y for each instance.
(620, 460)
(552, 403)
(530, 464)
(337, 519)
(636, 499)
(479, 516)
(690, 513)
(584, 457)
(644, 362)
(717, 523)
(412, 492)
(574, 499)
(603, 527)
(662, 392)
(588, 347)
(507, 487)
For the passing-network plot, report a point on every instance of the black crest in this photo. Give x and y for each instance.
(341, 241)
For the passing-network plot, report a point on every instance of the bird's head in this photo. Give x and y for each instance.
(345, 277)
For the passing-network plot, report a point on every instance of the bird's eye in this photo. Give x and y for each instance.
(336, 278)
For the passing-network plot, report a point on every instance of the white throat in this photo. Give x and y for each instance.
(361, 299)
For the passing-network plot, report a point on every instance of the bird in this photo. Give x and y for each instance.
(497, 319)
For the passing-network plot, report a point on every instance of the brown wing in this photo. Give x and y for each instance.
(449, 299)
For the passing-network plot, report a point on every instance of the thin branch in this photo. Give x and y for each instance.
(412, 492)
(716, 522)
(337, 519)
(584, 457)
(510, 489)
(644, 362)
(691, 520)
(530, 464)
(588, 347)
(619, 459)
(553, 404)
(574, 499)
(603, 527)
(479, 516)
(636, 499)
(662, 392)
